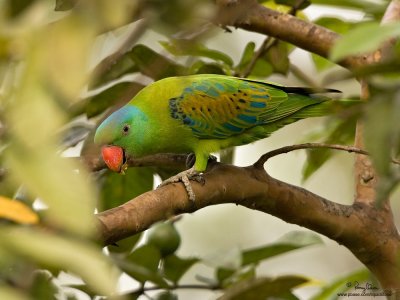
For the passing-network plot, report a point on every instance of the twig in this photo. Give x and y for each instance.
(263, 159)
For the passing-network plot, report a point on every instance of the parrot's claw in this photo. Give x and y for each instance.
(185, 177)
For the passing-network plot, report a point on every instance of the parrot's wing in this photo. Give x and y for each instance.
(216, 108)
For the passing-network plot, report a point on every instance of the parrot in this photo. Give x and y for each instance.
(203, 114)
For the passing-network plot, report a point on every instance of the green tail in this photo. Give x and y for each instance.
(300, 107)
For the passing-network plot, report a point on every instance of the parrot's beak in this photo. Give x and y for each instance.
(115, 158)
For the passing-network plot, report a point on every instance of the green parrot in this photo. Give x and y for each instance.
(202, 114)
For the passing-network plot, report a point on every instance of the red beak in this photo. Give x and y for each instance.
(113, 157)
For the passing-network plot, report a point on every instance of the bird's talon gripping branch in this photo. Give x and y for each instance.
(185, 177)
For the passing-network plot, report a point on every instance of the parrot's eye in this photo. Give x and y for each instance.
(125, 129)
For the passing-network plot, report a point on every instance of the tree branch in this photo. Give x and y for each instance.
(252, 16)
(367, 231)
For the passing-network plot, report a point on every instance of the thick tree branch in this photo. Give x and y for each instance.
(368, 232)
(252, 16)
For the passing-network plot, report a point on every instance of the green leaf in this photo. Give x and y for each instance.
(147, 256)
(262, 68)
(123, 66)
(9, 293)
(368, 6)
(223, 273)
(43, 287)
(117, 189)
(293, 3)
(289, 242)
(120, 93)
(193, 48)
(364, 38)
(338, 131)
(337, 25)
(200, 67)
(262, 288)
(142, 264)
(63, 5)
(81, 258)
(166, 295)
(228, 277)
(16, 7)
(154, 65)
(126, 245)
(383, 128)
(277, 56)
(175, 267)
(342, 284)
(247, 55)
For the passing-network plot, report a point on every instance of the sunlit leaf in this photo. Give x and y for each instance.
(79, 257)
(262, 288)
(247, 55)
(175, 267)
(262, 68)
(17, 211)
(364, 38)
(10, 293)
(117, 189)
(289, 242)
(342, 284)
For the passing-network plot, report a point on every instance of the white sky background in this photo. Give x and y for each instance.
(225, 229)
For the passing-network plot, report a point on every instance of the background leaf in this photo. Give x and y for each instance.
(116, 189)
(262, 288)
(364, 38)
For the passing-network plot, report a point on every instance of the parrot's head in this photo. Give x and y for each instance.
(120, 136)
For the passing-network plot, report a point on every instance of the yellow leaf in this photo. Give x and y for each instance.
(17, 211)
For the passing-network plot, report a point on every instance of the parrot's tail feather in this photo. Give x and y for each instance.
(306, 91)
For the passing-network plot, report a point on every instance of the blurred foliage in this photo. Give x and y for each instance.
(57, 83)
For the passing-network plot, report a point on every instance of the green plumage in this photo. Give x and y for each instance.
(206, 113)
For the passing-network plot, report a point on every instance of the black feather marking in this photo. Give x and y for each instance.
(306, 91)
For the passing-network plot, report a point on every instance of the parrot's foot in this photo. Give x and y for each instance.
(185, 177)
